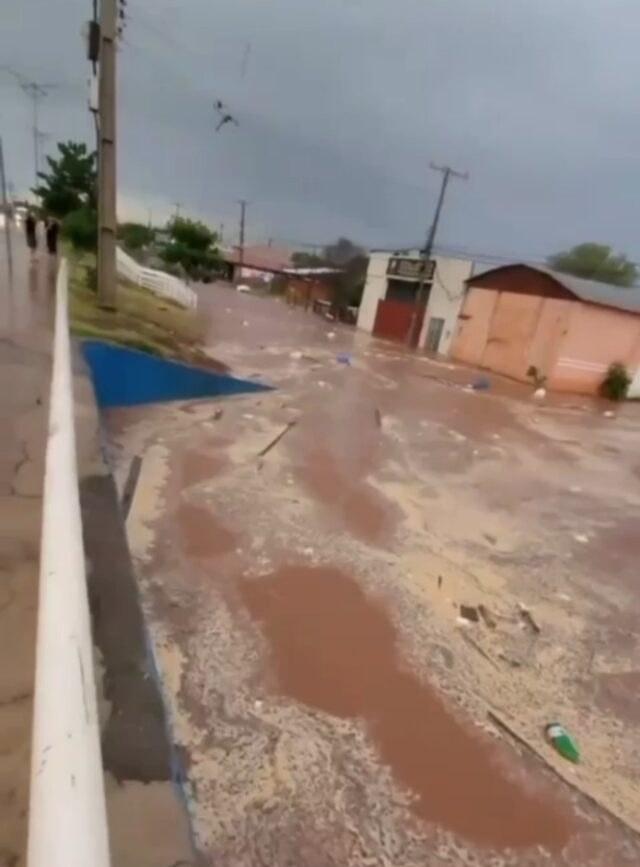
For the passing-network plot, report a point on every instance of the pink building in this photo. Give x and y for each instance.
(520, 316)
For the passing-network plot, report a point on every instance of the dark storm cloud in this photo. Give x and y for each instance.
(344, 104)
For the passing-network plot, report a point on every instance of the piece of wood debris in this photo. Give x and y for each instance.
(470, 641)
(276, 440)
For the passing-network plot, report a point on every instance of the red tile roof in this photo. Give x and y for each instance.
(261, 258)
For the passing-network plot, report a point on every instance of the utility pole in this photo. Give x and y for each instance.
(107, 156)
(35, 91)
(8, 215)
(243, 210)
(416, 320)
(176, 213)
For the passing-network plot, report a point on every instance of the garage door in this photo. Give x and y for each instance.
(511, 330)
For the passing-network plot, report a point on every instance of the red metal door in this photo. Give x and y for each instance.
(394, 320)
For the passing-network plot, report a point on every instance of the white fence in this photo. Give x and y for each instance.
(157, 281)
(67, 816)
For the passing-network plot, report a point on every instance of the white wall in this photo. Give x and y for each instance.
(374, 289)
(445, 298)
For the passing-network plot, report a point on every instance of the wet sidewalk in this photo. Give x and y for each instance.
(25, 369)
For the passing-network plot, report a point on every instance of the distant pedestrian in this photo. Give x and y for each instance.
(31, 231)
(52, 232)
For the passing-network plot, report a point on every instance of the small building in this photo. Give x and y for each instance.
(518, 317)
(307, 286)
(389, 305)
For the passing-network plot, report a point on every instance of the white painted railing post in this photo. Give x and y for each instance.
(67, 816)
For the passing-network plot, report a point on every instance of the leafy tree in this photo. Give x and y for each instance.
(596, 262)
(193, 246)
(350, 281)
(71, 181)
(81, 228)
(135, 236)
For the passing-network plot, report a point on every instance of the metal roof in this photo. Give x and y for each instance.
(604, 294)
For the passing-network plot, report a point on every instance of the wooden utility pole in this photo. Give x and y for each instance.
(243, 211)
(427, 251)
(7, 208)
(107, 225)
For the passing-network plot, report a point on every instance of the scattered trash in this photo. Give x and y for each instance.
(321, 383)
(491, 539)
(257, 704)
(528, 618)
(242, 287)
(562, 741)
(540, 393)
(495, 436)
(218, 414)
(609, 413)
(479, 649)
(485, 614)
(580, 537)
(462, 622)
(277, 439)
(296, 356)
(289, 480)
(227, 310)
(481, 384)
(307, 552)
(331, 335)
(344, 358)
(245, 322)
(248, 416)
(470, 613)
(576, 489)
(476, 452)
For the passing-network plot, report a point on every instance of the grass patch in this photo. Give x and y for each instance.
(142, 320)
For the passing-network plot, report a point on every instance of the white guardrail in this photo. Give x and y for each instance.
(157, 281)
(67, 816)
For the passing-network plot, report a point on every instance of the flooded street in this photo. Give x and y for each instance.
(305, 556)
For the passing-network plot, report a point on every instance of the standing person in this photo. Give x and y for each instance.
(52, 231)
(31, 231)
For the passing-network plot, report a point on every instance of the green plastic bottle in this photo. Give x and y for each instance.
(562, 741)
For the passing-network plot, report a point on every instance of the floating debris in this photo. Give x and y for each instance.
(470, 613)
(277, 439)
(562, 741)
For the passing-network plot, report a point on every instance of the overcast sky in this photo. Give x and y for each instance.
(343, 105)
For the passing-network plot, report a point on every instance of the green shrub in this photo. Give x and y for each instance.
(616, 383)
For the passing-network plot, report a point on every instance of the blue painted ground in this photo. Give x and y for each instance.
(127, 377)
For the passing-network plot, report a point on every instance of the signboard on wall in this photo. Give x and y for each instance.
(405, 268)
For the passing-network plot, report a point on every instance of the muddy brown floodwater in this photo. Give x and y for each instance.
(334, 648)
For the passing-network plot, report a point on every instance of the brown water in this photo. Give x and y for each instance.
(202, 535)
(353, 502)
(334, 648)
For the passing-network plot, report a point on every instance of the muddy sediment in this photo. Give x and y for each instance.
(306, 607)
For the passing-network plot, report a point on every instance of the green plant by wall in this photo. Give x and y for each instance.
(615, 385)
